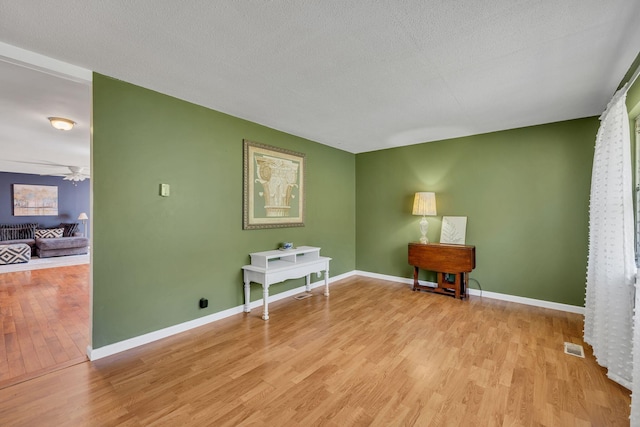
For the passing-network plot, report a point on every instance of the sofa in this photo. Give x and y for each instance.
(61, 246)
(46, 242)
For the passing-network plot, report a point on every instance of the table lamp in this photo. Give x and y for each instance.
(424, 204)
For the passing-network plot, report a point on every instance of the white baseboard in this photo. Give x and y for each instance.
(485, 294)
(108, 350)
(529, 301)
(394, 278)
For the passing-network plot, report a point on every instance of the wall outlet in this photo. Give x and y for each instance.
(204, 303)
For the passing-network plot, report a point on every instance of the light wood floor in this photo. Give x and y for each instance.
(373, 353)
(44, 321)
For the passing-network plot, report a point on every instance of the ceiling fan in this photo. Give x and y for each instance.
(75, 174)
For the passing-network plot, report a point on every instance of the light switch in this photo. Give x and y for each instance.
(165, 190)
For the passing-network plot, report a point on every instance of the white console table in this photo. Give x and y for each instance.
(276, 266)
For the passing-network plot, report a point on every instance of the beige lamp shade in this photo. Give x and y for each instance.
(83, 216)
(424, 203)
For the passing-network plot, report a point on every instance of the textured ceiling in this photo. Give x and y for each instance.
(356, 75)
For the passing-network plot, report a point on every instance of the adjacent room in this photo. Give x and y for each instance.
(44, 233)
(44, 277)
(330, 213)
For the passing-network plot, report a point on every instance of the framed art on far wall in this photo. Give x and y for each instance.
(35, 200)
(273, 187)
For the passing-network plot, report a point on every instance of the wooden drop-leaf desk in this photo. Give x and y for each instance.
(458, 260)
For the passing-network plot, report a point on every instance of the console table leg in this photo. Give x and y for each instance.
(308, 285)
(326, 282)
(247, 301)
(265, 299)
(465, 285)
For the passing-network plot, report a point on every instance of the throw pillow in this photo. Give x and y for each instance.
(18, 231)
(69, 228)
(49, 233)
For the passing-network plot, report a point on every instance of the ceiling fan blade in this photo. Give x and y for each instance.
(75, 174)
(72, 169)
(41, 163)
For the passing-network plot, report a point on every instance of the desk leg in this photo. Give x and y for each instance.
(247, 301)
(308, 285)
(415, 278)
(326, 282)
(265, 299)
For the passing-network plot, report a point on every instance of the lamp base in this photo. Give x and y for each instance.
(424, 227)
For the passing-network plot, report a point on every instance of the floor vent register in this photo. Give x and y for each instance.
(574, 349)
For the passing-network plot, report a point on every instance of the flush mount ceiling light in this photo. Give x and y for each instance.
(61, 123)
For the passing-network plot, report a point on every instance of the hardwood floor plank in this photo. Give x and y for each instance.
(16, 364)
(42, 351)
(375, 353)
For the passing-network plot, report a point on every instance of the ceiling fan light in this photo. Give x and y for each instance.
(61, 123)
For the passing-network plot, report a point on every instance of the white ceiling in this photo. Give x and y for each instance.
(356, 75)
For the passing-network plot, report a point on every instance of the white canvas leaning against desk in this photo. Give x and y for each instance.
(276, 266)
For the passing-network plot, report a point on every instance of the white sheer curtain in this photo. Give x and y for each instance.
(611, 269)
(635, 386)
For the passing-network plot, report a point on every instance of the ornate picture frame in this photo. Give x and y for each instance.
(274, 189)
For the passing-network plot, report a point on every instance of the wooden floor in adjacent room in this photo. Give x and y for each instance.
(373, 353)
(44, 321)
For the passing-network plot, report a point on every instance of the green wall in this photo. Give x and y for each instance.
(525, 193)
(155, 257)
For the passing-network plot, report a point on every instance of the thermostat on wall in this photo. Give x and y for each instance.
(165, 190)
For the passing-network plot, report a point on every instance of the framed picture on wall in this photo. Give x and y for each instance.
(35, 200)
(273, 187)
(454, 230)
